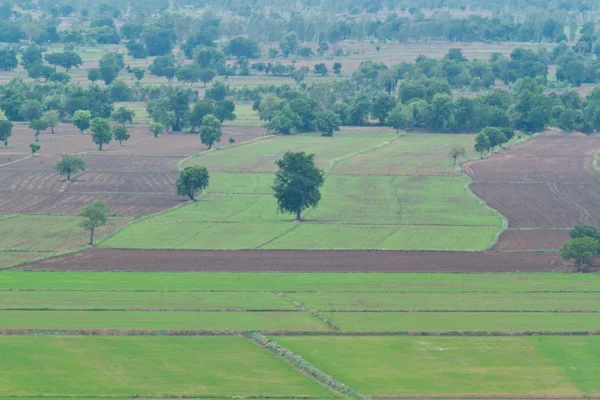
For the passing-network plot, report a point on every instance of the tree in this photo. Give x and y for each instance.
(327, 122)
(52, 118)
(123, 115)
(455, 152)
(108, 73)
(382, 105)
(206, 75)
(32, 55)
(242, 47)
(31, 109)
(400, 118)
(581, 250)
(189, 73)
(297, 183)
(8, 60)
(38, 71)
(34, 148)
(101, 132)
(156, 128)
(120, 133)
(38, 125)
(5, 131)
(191, 181)
(210, 131)
(482, 143)
(289, 43)
(337, 68)
(81, 119)
(321, 69)
(200, 109)
(224, 110)
(138, 73)
(582, 231)
(93, 74)
(69, 165)
(95, 216)
(67, 59)
(495, 136)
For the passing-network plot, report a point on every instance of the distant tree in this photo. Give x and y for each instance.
(217, 92)
(39, 71)
(206, 75)
(191, 181)
(136, 49)
(32, 55)
(101, 132)
(67, 59)
(242, 47)
(224, 110)
(81, 119)
(31, 109)
(321, 69)
(482, 143)
(297, 183)
(289, 43)
(495, 136)
(156, 128)
(400, 118)
(34, 148)
(581, 250)
(52, 118)
(337, 68)
(69, 165)
(284, 121)
(455, 152)
(268, 105)
(273, 52)
(210, 130)
(209, 57)
(231, 140)
(327, 122)
(123, 115)
(138, 73)
(381, 106)
(95, 216)
(8, 60)
(120, 133)
(189, 73)
(61, 77)
(163, 113)
(108, 73)
(38, 125)
(200, 109)
(93, 74)
(5, 131)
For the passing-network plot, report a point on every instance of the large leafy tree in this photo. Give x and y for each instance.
(120, 133)
(191, 181)
(69, 165)
(210, 131)
(242, 47)
(581, 250)
(327, 122)
(297, 183)
(52, 117)
(123, 115)
(95, 216)
(101, 132)
(81, 119)
(38, 125)
(5, 131)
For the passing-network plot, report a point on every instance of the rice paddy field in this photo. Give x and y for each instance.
(297, 335)
(376, 195)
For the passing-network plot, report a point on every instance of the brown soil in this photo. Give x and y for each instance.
(545, 184)
(97, 259)
(542, 239)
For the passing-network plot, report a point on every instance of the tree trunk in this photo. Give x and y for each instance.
(68, 177)
(298, 215)
(100, 147)
(92, 237)
(191, 196)
(52, 129)
(454, 163)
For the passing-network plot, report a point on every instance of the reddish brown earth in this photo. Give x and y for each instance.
(302, 261)
(544, 185)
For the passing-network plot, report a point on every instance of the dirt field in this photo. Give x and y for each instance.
(136, 178)
(544, 185)
(302, 261)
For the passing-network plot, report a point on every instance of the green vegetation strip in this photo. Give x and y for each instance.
(447, 301)
(438, 366)
(301, 364)
(458, 321)
(290, 282)
(158, 320)
(146, 366)
(143, 300)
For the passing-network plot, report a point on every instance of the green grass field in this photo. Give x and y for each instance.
(159, 320)
(494, 301)
(29, 237)
(145, 366)
(465, 321)
(84, 300)
(274, 282)
(361, 208)
(456, 366)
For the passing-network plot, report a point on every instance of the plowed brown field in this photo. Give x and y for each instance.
(546, 185)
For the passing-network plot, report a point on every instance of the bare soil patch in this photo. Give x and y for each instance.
(538, 239)
(97, 259)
